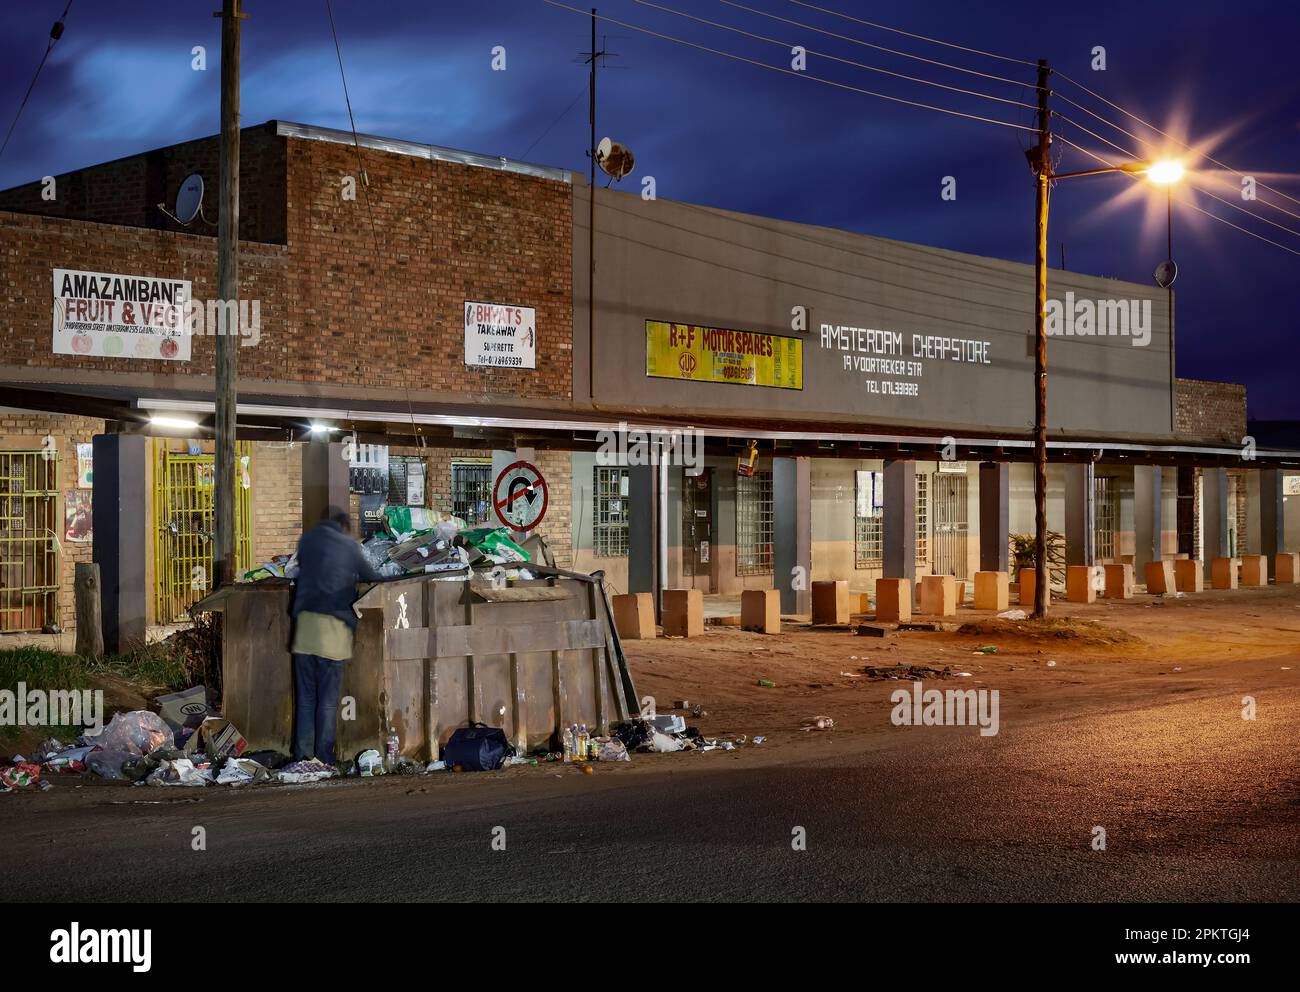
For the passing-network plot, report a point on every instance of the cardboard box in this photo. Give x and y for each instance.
(218, 739)
(992, 591)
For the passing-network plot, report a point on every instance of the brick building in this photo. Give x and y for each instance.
(884, 387)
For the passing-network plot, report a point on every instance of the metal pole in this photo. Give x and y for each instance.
(1173, 377)
(591, 224)
(1043, 168)
(227, 339)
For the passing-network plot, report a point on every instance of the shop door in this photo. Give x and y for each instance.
(697, 527)
(950, 524)
(184, 528)
(29, 543)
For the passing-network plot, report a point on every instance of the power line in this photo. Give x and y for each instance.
(1166, 134)
(549, 127)
(919, 37)
(1193, 206)
(879, 48)
(833, 58)
(56, 32)
(784, 71)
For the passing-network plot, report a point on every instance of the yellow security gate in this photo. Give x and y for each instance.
(185, 527)
(29, 544)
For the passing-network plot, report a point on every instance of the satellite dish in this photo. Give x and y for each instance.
(189, 199)
(615, 160)
(1165, 274)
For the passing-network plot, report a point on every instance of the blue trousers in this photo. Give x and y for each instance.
(316, 683)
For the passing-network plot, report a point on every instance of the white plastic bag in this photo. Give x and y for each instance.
(138, 732)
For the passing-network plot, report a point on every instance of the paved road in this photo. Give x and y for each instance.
(1197, 803)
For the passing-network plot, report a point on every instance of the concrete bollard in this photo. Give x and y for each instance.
(1254, 570)
(760, 610)
(1119, 581)
(1160, 578)
(861, 602)
(1189, 575)
(992, 591)
(830, 601)
(939, 595)
(634, 616)
(1223, 573)
(1028, 580)
(893, 600)
(1082, 583)
(683, 612)
(1286, 569)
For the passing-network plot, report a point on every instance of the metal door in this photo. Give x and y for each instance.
(184, 526)
(950, 524)
(697, 524)
(29, 544)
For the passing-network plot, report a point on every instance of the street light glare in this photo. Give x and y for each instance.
(177, 423)
(1165, 173)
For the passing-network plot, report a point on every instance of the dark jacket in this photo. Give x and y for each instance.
(330, 564)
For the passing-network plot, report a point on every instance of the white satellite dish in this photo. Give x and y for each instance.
(615, 160)
(189, 199)
(1165, 274)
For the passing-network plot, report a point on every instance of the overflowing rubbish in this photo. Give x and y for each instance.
(1013, 615)
(986, 649)
(181, 771)
(138, 732)
(905, 673)
(369, 763)
(21, 773)
(217, 738)
(477, 748)
(310, 770)
(243, 771)
(818, 723)
(185, 709)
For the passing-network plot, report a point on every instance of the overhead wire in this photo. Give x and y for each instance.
(785, 71)
(833, 58)
(56, 32)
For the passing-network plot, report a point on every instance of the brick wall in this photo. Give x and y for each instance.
(21, 431)
(374, 308)
(277, 499)
(1211, 410)
(126, 191)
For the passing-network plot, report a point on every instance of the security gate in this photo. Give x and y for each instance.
(29, 545)
(1105, 516)
(185, 527)
(950, 524)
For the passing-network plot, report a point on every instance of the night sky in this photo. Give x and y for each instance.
(727, 134)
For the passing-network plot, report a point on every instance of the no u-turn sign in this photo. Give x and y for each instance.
(520, 496)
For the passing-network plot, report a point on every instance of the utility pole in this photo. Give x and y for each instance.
(591, 218)
(1041, 163)
(227, 337)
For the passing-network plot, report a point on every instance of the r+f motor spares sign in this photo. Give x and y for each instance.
(120, 316)
(500, 336)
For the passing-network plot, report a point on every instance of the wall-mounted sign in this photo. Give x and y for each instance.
(520, 496)
(78, 521)
(1291, 485)
(500, 336)
(120, 316)
(85, 465)
(714, 354)
(952, 468)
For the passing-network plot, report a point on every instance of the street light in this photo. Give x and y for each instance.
(1162, 173)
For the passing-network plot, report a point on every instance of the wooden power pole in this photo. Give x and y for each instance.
(227, 336)
(1041, 163)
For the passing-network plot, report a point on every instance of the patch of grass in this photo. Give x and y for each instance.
(152, 668)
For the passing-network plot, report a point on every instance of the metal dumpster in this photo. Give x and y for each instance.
(530, 657)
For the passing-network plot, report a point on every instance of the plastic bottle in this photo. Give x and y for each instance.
(392, 748)
(569, 744)
(583, 745)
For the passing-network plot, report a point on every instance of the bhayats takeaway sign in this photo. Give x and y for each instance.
(715, 354)
(120, 316)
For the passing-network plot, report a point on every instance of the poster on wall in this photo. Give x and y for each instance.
(500, 336)
(714, 354)
(85, 466)
(77, 521)
(120, 316)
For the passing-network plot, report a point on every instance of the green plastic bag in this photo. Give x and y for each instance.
(495, 541)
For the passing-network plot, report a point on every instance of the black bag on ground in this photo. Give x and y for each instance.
(477, 748)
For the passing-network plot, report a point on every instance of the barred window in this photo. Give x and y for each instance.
(754, 524)
(471, 492)
(609, 512)
(1105, 514)
(868, 523)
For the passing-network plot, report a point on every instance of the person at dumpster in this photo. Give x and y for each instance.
(330, 564)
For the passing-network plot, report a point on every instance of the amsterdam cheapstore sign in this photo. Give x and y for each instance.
(715, 354)
(120, 316)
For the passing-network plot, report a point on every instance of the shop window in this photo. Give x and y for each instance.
(869, 515)
(609, 512)
(471, 492)
(754, 524)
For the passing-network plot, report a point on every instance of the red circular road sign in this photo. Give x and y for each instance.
(520, 496)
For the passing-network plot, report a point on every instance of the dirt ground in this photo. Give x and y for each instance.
(1100, 649)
